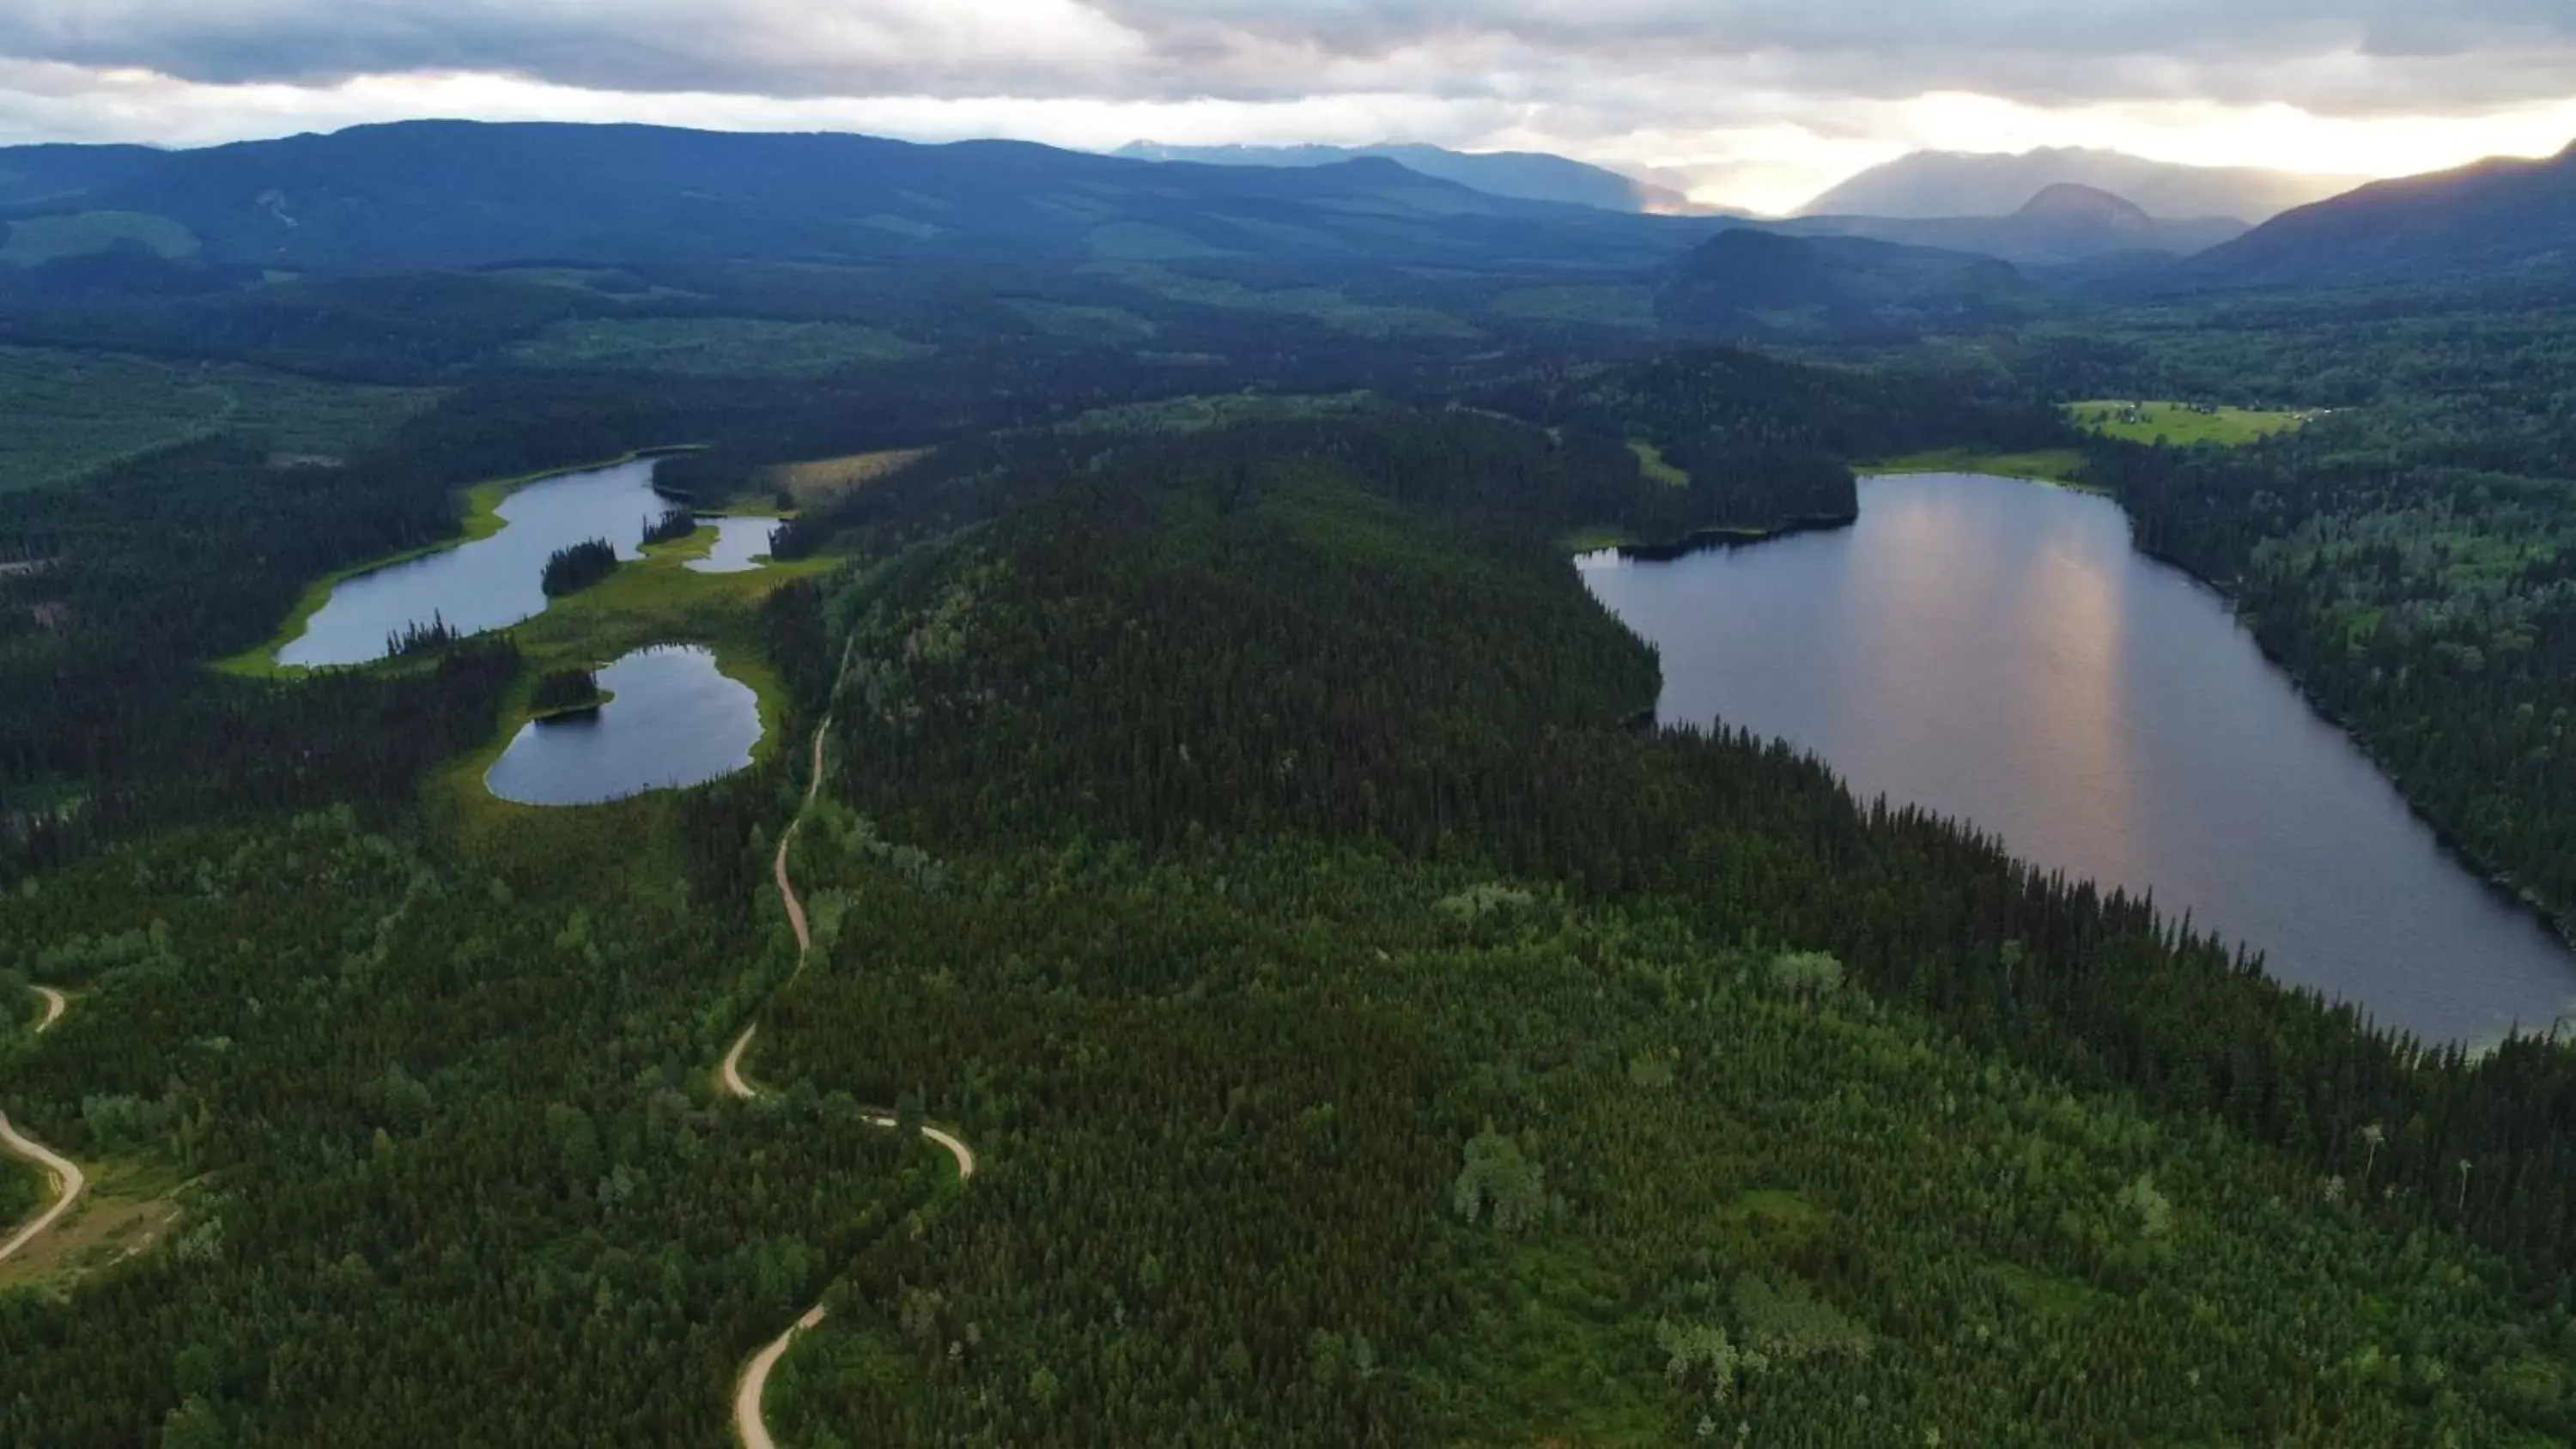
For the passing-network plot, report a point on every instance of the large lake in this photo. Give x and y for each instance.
(1997, 651)
(490, 583)
(675, 721)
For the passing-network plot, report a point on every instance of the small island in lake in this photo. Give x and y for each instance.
(566, 694)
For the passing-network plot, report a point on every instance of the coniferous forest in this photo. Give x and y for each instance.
(1192, 781)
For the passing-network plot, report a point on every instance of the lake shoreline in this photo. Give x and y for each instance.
(1704, 540)
(2396, 983)
(2560, 921)
(481, 520)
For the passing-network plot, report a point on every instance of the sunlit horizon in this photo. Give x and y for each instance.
(1773, 167)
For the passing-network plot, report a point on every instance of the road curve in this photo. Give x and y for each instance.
(747, 1422)
(755, 1382)
(69, 1182)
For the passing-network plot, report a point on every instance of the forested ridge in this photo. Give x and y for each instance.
(1367, 1035)
(1112, 772)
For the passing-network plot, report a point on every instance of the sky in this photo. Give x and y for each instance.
(1757, 103)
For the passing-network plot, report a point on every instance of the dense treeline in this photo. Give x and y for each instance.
(1208, 644)
(1238, 837)
(1203, 795)
(2407, 557)
(564, 689)
(674, 524)
(1736, 421)
(446, 1167)
(571, 569)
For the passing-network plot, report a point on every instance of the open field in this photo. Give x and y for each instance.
(597, 281)
(71, 413)
(2053, 465)
(128, 1208)
(1202, 411)
(2181, 424)
(824, 479)
(40, 239)
(1597, 305)
(1327, 306)
(1650, 461)
(1066, 319)
(712, 346)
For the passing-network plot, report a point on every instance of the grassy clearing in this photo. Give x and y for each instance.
(1599, 306)
(1593, 540)
(1327, 306)
(1650, 461)
(2181, 424)
(41, 239)
(129, 1208)
(2063, 466)
(1203, 411)
(824, 479)
(713, 346)
(597, 281)
(1098, 324)
(71, 413)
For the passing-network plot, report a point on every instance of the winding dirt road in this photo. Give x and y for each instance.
(68, 1179)
(747, 1422)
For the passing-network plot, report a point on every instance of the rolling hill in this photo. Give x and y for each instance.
(1528, 175)
(2065, 223)
(1957, 183)
(2496, 219)
(1750, 281)
(450, 193)
(36, 174)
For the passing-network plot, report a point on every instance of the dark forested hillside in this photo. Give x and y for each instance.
(2497, 220)
(1750, 283)
(1529, 175)
(1234, 821)
(1198, 765)
(449, 193)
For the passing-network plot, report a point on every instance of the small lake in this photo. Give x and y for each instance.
(741, 543)
(1995, 650)
(490, 583)
(676, 721)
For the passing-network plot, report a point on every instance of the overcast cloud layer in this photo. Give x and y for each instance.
(1759, 101)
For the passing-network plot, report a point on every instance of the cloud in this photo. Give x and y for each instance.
(1759, 100)
(2332, 56)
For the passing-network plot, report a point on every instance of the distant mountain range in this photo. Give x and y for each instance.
(453, 193)
(2064, 224)
(2496, 219)
(1529, 175)
(1931, 184)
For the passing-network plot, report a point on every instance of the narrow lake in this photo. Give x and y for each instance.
(740, 545)
(490, 583)
(1995, 650)
(675, 721)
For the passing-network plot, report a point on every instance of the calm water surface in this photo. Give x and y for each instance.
(490, 583)
(1995, 650)
(740, 545)
(675, 721)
